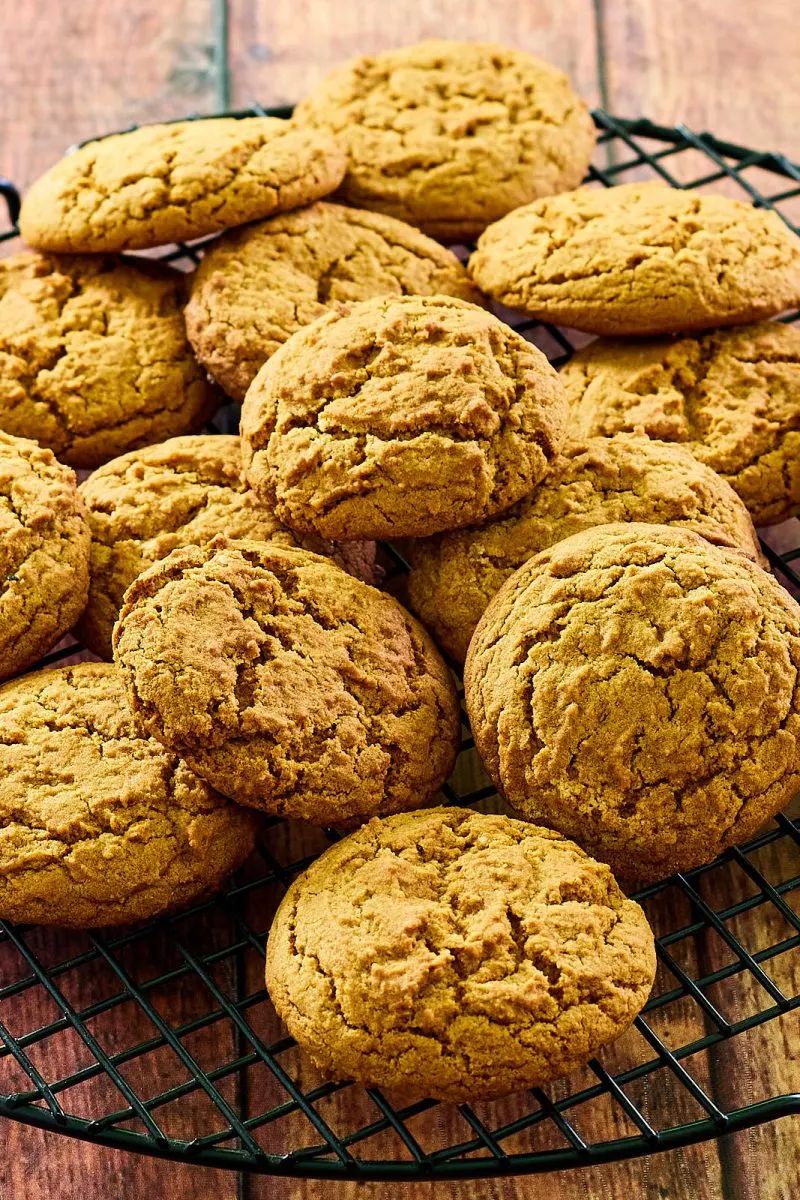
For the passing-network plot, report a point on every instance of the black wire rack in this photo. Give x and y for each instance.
(160, 1039)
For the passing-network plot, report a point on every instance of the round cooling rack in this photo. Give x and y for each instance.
(161, 1039)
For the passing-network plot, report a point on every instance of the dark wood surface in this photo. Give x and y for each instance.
(70, 70)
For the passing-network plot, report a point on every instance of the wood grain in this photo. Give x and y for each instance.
(730, 68)
(72, 70)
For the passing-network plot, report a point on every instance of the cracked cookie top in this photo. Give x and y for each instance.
(93, 356)
(44, 553)
(456, 955)
(449, 136)
(400, 417)
(183, 492)
(288, 684)
(171, 183)
(640, 258)
(98, 825)
(637, 688)
(257, 286)
(731, 396)
(601, 480)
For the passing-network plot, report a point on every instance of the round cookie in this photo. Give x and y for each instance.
(625, 478)
(183, 492)
(451, 135)
(256, 286)
(400, 417)
(638, 689)
(175, 182)
(456, 955)
(94, 359)
(731, 396)
(99, 826)
(44, 553)
(640, 258)
(286, 683)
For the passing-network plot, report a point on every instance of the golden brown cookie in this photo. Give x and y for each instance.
(400, 417)
(94, 359)
(731, 396)
(256, 286)
(640, 258)
(171, 183)
(99, 826)
(625, 478)
(286, 683)
(183, 492)
(44, 553)
(638, 689)
(451, 135)
(456, 955)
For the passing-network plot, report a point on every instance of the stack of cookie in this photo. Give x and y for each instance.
(631, 668)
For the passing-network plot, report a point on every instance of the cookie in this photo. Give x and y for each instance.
(640, 258)
(625, 478)
(44, 553)
(286, 683)
(94, 359)
(456, 955)
(731, 396)
(171, 183)
(400, 417)
(99, 826)
(449, 136)
(256, 286)
(183, 492)
(638, 689)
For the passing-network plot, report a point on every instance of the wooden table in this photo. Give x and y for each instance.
(70, 70)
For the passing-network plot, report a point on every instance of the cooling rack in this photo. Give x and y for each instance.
(160, 1039)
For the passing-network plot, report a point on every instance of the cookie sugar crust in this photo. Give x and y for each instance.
(286, 683)
(639, 689)
(170, 183)
(258, 285)
(456, 955)
(94, 359)
(99, 826)
(182, 492)
(640, 258)
(451, 135)
(400, 417)
(44, 553)
(731, 396)
(592, 482)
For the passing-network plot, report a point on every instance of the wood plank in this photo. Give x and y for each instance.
(279, 50)
(71, 71)
(729, 68)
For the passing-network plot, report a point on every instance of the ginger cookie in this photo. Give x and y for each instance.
(640, 258)
(258, 285)
(456, 955)
(638, 689)
(731, 396)
(182, 492)
(400, 417)
(94, 359)
(171, 183)
(625, 478)
(286, 683)
(44, 553)
(449, 136)
(99, 826)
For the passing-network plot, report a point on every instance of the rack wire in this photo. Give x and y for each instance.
(160, 1038)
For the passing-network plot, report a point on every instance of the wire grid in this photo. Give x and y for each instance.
(180, 1055)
